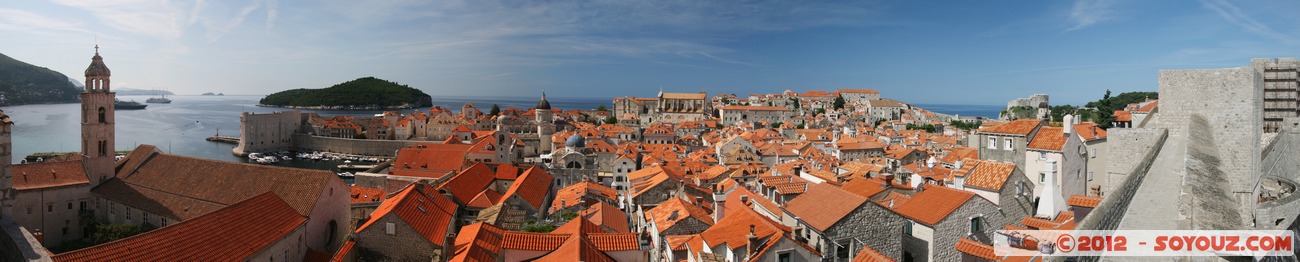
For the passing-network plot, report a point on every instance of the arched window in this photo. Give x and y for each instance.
(101, 116)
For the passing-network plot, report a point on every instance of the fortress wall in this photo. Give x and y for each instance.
(268, 132)
(1232, 101)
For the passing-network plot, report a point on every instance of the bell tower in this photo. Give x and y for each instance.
(545, 127)
(97, 122)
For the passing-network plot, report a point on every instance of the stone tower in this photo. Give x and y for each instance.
(97, 122)
(7, 193)
(545, 127)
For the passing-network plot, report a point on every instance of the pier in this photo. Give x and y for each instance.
(224, 139)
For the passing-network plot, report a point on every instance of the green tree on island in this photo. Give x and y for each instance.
(496, 110)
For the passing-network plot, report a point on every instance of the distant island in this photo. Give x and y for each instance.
(366, 93)
(211, 94)
(141, 92)
(22, 83)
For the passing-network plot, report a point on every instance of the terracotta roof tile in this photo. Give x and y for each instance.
(1148, 107)
(532, 241)
(864, 187)
(576, 249)
(1089, 131)
(573, 195)
(1123, 116)
(735, 227)
(1084, 201)
(48, 175)
(933, 204)
(812, 206)
(607, 216)
(366, 195)
(1049, 138)
(1016, 127)
(614, 241)
(422, 208)
(234, 233)
(430, 160)
(477, 242)
(532, 187)
(990, 175)
(485, 199)
(464, 186)
(977, 249)
(674, 210)
(870, 255)
(344, 250)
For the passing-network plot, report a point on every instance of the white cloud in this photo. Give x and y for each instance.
(152, 18)
(1234, 15)
(1086, 13)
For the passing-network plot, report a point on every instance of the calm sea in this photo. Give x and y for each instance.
(181, 127)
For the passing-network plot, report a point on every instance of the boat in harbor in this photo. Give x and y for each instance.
(127, 105)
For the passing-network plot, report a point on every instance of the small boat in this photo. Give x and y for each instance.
(346, 174)
(127, 105)
(160, 100)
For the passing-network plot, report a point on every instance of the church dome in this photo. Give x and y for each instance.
(97, 67)
(575, 141)
(543, 104)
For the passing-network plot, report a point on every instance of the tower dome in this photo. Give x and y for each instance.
(543, 104)
(97, 67)
(575, 141)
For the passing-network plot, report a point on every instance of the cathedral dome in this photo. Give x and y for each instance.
(543, 104)
(575, 141)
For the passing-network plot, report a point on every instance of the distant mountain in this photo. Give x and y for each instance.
(141, 92)
(22, 83)
(366, 93)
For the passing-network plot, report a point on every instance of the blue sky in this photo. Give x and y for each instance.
(949, 52)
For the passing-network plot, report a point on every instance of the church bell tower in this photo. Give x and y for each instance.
(97, 122)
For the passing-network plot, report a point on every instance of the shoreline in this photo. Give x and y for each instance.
(355, 108)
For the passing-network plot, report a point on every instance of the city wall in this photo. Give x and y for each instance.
(1143, 142)
(289, 130)
(351, 146)
(1232, 101)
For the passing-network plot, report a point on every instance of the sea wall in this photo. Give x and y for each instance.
(367, 147)
(268, 132)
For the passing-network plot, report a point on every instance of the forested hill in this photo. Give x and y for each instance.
(366, 93)
(22, 83)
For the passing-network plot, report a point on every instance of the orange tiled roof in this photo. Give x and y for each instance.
(862, 91)
(367, 195)
(344, 250)
(429, 160)
(1089, 131)
(977, 249)
(467, 184)
(1149, 107)
(484, 199)
(238, 231)
(532, 187)
(607, 216)
(423, 209)
(864, 187)
(870, 255)
(1017, 127)
(572, 195)
(734, 228)
(754, 108)
(1123, 116)
(532, 241)
(575, 249)
(1084, 201)
(49, 175)
(1049, 138)
(933, 204)
(477, 242)
(813, 208)
(990, 175)
(674, 210)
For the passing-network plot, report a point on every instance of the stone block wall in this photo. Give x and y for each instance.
(1135, 157)
(268, 132)
(871, 224)
(1232, 102)
(352, 146)
(405, 245)
(1125, 147)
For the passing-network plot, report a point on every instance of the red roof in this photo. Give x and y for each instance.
(234, 233)
(429, 160)
(464, 186)
(754, 108)
(1148, 107)
(1049, 138)
(864, 187)
(1123, 116)
(367, 195)
(812, 206)
(862, 91)
(343, 252)
(674, 210)
(607, 216)
(933, 204)
(977, 249)
(1089, 131)
(735, 227)
(576, 249)
(1018, 127)
(573, 195)
(1084, 201)
(990, 175)
(49, 175)
(532, 187)
(477, 242)
(428, 212)
(870, 255)
(484, 199)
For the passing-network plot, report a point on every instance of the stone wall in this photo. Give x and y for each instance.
(18, 244)
(957, 226)
(268, 132)
(1126, 146)
(1231, 100)
(1135, 149)
(406, 244)
(871, 224)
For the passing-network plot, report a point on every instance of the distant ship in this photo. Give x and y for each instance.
(127, 105)
(158, 100)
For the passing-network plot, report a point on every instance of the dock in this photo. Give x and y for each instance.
(346, 167)
(224, 139)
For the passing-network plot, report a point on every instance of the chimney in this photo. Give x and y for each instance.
(744, 199)
(1050, 201)
(889, 180)
(753, 243)
(1068, 125)
(719, 203)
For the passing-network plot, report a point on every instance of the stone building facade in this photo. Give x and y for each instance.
(732, 115)
(665, 108)
(269, 132)
(935, 242)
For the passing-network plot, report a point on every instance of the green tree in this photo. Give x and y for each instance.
(611, 120)
(105, 233)
(601, 108)
(777, 125)
(496, 110)
(839, 102)
(568, 215)
(799, 126)
(819, 111)
(795, 103)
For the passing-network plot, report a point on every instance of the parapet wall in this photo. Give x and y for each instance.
(268, 132)
(1232, 101)
(1136, 149)
(1126, 144)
